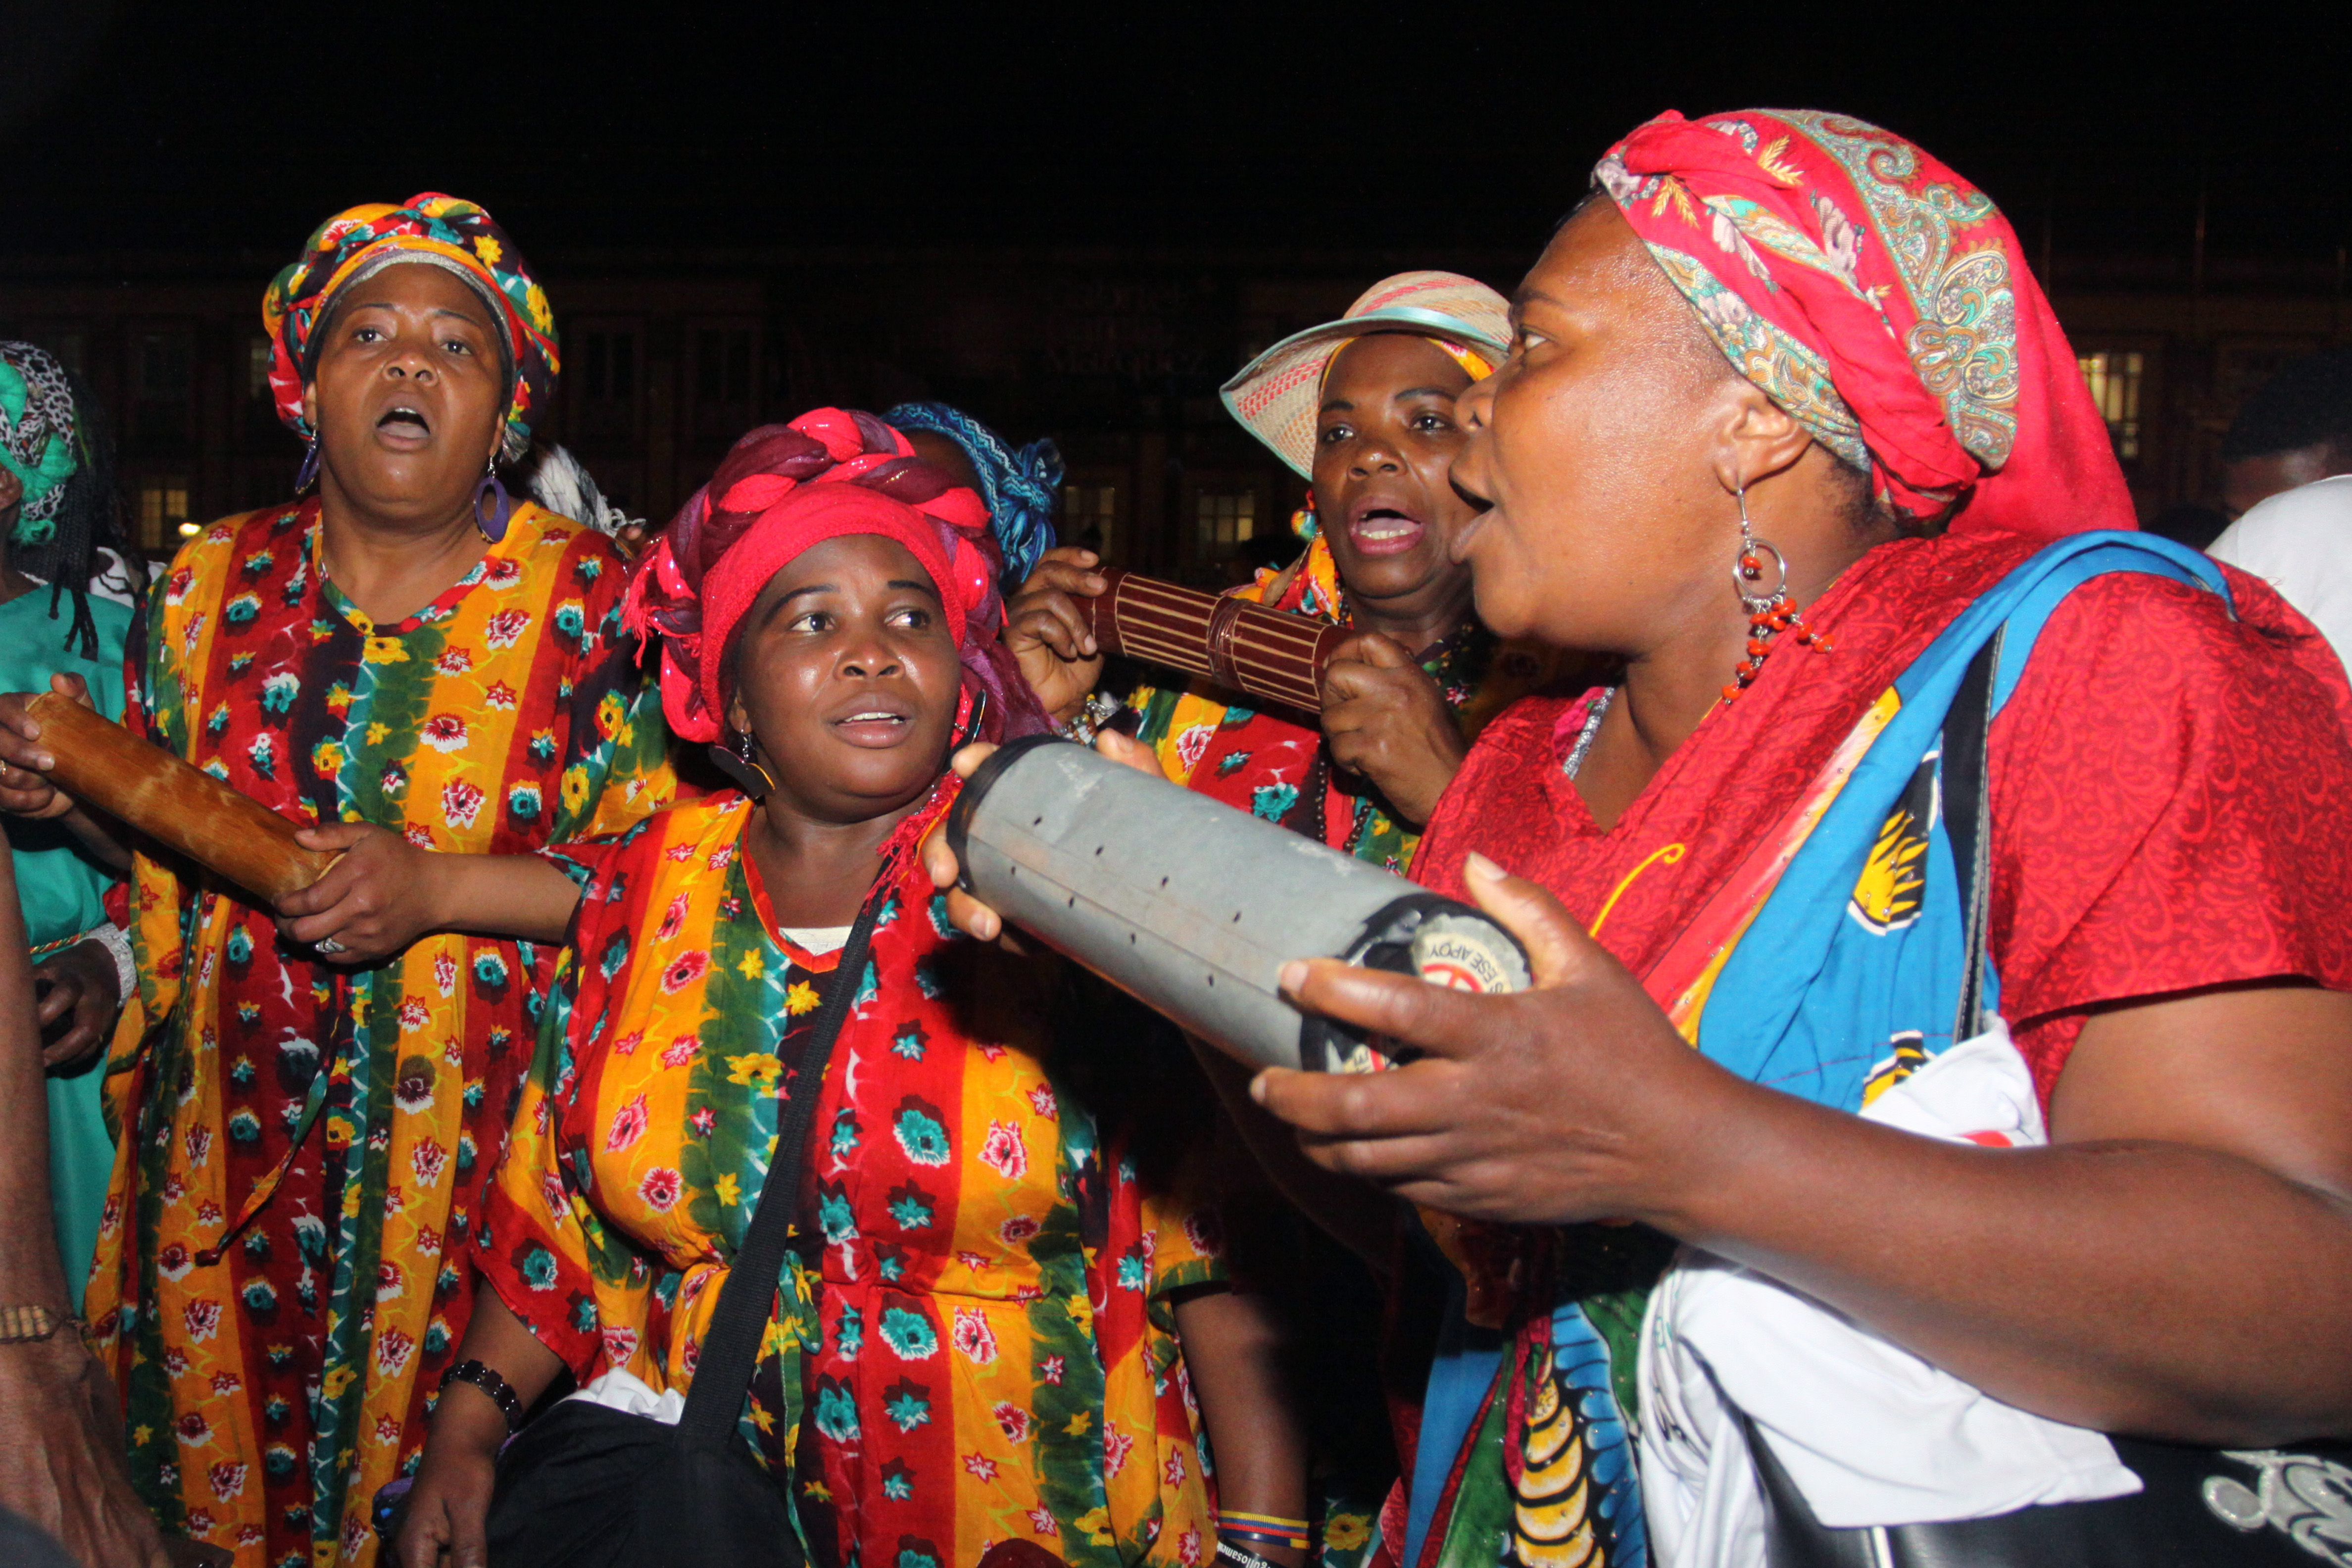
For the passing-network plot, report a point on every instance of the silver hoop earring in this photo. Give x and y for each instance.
(1770, 609)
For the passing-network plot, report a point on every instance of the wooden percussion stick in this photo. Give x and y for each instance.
(180, 807)
(1238, 645)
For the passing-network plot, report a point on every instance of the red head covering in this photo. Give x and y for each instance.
(1881, 300)
(782, 489)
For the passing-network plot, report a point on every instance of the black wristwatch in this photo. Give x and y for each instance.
(490, 1382)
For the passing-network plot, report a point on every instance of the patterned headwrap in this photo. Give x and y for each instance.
(1475, 365)
(1883, 301)
(1021, 487)
(782, 489)
(36, 436)
(429, 227)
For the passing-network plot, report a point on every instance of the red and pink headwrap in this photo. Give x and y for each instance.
(1881, 300)
(783, 488)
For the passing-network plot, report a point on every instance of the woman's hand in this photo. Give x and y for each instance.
(449, 1505)
(380, 897)
(1046, 630)
(83, 987)
(445, 1524)
(1384, 718)
(1574, 1100)
(968, 914)
(25, 762)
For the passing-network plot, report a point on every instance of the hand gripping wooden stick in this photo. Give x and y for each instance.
(1238, 645)
(104, 764)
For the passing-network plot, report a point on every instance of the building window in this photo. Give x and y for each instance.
(609, 367)
(163, 513)
(257, 369)
(723, 366)
(163, 378)
(606, 387)
(724, 402)
(2114, 380)
(65, 347)
(1226, 518)
(1090, 516)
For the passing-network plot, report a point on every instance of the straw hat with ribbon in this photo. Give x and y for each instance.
(1276, 394)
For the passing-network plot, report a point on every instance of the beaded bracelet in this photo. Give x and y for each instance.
(488, 1380)
(22, 1324)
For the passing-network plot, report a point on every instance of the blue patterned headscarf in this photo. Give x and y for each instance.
(1020, 487)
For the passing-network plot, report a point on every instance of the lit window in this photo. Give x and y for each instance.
(256, 368)
(163, 513)
(2114, 381)
(1226, 518)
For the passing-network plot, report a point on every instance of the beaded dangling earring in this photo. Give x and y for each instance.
(1769, 612)
(307, 475)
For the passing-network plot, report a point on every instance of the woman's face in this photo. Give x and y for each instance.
(1384, 439)
(409, 395)
(847, 677)
(1601, 444)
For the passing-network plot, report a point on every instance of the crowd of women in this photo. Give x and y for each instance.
(1929, 1133)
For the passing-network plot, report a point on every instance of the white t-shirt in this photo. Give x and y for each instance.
(2300, 542)
(818, 940)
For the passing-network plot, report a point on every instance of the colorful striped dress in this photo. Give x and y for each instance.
(973, 1340)
(277, 1281)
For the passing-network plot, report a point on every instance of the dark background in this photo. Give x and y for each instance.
(132, 124)
(1080, 219)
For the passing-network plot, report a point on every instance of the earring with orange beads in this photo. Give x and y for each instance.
(1770, 611)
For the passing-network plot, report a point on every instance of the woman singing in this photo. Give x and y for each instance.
(1948, 819)
(437, 680)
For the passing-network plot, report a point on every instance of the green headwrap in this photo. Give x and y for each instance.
(36, 436)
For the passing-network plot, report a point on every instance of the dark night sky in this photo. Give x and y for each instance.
(227, 129)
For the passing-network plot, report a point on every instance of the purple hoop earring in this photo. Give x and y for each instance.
(307, 475)
(493, 526)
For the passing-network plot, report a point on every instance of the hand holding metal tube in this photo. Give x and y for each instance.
(1191, 907)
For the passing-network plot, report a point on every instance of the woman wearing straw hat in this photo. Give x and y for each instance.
(1363, 408)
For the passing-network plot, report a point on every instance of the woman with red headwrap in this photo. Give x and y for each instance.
(1918, 762)
(974, 1342)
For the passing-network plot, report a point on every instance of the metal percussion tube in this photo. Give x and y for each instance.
(1192, 907)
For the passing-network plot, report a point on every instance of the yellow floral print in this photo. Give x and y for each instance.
(761, 1070)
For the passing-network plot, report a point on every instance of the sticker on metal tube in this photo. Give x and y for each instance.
(1463, 952)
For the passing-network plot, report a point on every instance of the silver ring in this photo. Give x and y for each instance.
(328, 945)
(1749, 584)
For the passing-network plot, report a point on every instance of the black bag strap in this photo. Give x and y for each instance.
(730, 1351)
(1968, 807)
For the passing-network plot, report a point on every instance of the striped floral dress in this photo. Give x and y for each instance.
(973, 1340)
(277, 1280)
